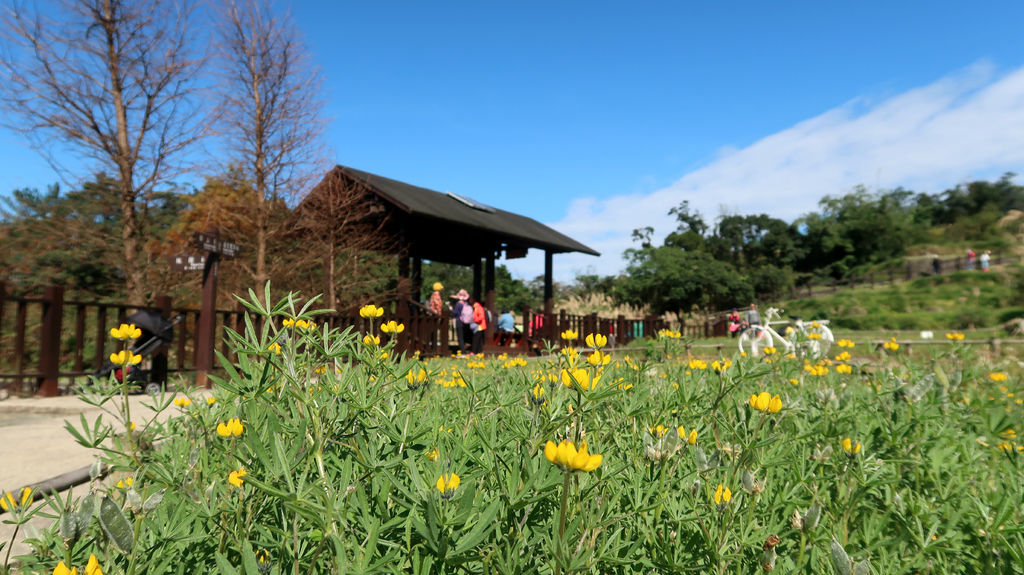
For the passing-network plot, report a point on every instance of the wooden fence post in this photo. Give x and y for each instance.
(49, 341)
(158, 373)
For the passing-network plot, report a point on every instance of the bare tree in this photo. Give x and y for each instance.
(346, 222)
(113, 81)
(271, 116)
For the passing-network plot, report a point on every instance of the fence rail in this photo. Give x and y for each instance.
(46, 340)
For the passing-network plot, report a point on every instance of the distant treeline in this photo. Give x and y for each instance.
(728, 262)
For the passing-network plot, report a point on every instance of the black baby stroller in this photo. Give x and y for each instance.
(157, 333)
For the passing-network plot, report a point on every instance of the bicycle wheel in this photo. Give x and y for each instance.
(817, 347)
(752, 341)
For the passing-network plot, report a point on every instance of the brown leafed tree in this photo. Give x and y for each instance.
(111, 81)
(351, 232)
(271, 113)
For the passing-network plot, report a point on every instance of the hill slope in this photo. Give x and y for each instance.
(962, 300)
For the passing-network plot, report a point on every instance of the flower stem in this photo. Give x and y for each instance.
(561, 522)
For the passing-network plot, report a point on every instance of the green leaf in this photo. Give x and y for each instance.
(116, 525)
(483, 524)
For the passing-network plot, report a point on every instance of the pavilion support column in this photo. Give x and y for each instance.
(477, 280)
(402, 298)
(417, 279)
(489, 296)
(549, 328)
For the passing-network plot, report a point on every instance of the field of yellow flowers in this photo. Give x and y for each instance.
(322, 452)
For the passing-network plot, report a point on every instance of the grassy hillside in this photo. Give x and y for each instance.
(962, 300)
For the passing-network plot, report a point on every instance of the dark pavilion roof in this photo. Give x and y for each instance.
(445, 228)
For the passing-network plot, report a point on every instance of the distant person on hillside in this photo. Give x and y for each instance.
(936, 265)
(970, 259)
(984, 259)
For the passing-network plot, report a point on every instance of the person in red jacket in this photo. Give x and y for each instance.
(479, 326)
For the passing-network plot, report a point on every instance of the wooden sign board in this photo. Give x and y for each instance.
(186, 263)
(214, 245)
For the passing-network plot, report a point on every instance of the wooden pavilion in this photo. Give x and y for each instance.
(444, 227)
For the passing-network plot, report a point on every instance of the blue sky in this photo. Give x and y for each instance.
(597, 117)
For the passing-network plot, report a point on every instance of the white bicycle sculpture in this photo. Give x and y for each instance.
(811, 339)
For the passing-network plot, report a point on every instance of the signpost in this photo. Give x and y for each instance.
(214, 247)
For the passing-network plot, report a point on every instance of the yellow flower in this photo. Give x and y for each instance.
(182, 402)
(371, 311)
(698, 364)
(93, 566)
(9, 503)
(580, 377)
(131, 426)
(997, 376)
(722, 495)
(955, 336)
(570, 335)
(658, 431)
(125, 483)
(125, 332)
(844, 368)
(816, 370)
(794, 381)
(433, 454)
(765, 402)
(275, 347)
(721, 365)
(769, 350)
(447, 484)
(62, 569)
(599, 358)
(845, 343)
(596, 340)
(211, 400)
(392, 327)
(125, 357)
(235, 477)
(845, 356)
(263, 564)
(371, 340)
(233, 427)
(891, 345)
(537, 395)
(568, 459)
(851, 447)
(814, 335)
(415, 378)
(288, 322)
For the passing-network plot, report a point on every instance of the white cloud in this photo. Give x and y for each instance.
(965, 126)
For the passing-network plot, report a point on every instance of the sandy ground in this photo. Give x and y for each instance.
(35, 447)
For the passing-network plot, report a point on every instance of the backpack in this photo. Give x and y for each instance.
(466, 313)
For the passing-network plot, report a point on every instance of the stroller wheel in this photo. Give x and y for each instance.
(152, 388)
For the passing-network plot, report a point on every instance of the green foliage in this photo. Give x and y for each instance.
(341, 452)
(670, 279)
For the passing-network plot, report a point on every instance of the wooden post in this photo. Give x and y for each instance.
(549, 296)
(49, 338)
(207, 325)
(489, 297)
(402, 304)
(620, 330)
(417, 279)
(477, 281)
(158, 374)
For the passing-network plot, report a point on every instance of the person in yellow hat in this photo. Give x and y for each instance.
(436, 304)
